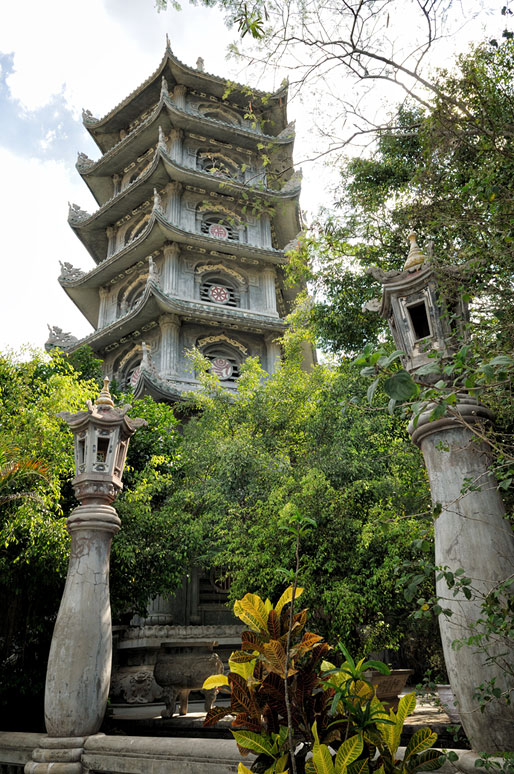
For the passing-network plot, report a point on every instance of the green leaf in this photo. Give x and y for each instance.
(322, 759)
(400, 386)
(430, 760)
(421, 740)
(348, 753)
(371, 390)
(258, 743)
(429, 368)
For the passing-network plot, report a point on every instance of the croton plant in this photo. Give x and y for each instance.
(330, 721)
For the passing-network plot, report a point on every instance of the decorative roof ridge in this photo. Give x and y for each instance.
(90, 121)
(291, 188)
(153, 289)
(85, 165)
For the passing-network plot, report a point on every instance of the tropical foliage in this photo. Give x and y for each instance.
(338, 724)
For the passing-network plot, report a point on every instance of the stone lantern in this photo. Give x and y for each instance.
(79, 664)
(101, 436)
(426, 314)
(423, 314)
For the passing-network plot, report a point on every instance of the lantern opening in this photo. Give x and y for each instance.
(419, 320)
(102, 449)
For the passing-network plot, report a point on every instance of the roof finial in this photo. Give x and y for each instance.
(200, 64)
(415, 256)
(104, 399)
(167, 41)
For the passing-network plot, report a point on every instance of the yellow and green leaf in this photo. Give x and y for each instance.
(322, 759)
(242, 769)
(406, 706)
(251, 741)
(214, 681)
(252, 611)
(348, 753)
(286, 598)
(421, 740)
(429, 760)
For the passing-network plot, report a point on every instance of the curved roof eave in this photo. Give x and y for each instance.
(186, 175)
(158, 230)
(151, 384)
(248, 138)
(155, 302)
(188, 76)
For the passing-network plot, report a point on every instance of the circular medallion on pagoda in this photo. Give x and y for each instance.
(135, 376)
(218, 231)
(219, 294)
(222, 368)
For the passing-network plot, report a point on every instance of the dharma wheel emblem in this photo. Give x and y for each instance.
(222, 368)
(218, 231)
(219, 294)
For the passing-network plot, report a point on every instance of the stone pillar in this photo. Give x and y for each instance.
(111, 240)
(269, 294)
(274, 354)
(170, 272)
(471, 532)
(174, 191)
(79, 664)
(265, 231)
(103, 293)
(170, 332)
(176, 138)
(179, 96)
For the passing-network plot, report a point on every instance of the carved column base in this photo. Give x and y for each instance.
(57, 756)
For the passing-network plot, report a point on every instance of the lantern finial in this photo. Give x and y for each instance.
(104, 399)
(415, 256)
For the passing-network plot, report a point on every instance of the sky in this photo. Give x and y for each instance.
(57, 57)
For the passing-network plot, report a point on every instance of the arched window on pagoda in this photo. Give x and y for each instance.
(133, 174)
(130, 295)
(126, 367)
(225, 361)
(135, 230)
(218, 165)
(219, 227)
(218, 289)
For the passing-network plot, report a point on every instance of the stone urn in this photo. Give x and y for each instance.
(448, 703)
(389, 686)
(183, 667)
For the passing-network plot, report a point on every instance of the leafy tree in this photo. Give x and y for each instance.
(296, 440)
(36, 467)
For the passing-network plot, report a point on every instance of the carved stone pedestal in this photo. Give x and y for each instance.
(57, 756)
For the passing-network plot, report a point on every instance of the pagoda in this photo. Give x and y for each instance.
(197, 201)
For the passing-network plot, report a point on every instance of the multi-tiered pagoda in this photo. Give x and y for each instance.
(197, 200)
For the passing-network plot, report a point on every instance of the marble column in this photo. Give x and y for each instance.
(170, 334)
(274, 353)
(170, 271)
(103, 294)
(176, 139)
(79, 664)
(179, 96)
(110, 232)
(269, 294)
(174, 191)
(471, 532)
